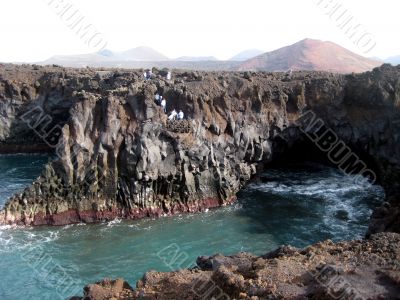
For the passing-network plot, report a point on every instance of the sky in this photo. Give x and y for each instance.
(34, 30)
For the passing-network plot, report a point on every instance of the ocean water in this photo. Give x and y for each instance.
(297, 205)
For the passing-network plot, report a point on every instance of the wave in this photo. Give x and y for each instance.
(114, 222)
(341, 201)
(14, 238)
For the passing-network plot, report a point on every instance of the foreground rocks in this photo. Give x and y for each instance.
(117, 156)
(368, 269)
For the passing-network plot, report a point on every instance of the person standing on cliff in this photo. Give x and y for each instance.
(180, 115)
(164, 105)
(148, 74)
(173, 115)
(157, 99)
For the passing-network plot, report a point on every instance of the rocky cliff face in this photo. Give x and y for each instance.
(37, 93)
(118, 156)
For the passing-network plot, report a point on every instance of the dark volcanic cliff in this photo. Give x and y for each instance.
(117, 156)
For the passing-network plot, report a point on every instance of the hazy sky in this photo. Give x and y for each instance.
(31, 30)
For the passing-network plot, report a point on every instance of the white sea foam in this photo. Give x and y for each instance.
(113, 222)
(342, 197)
(6, 227)
(11, 171)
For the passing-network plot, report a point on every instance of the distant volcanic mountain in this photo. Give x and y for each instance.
(310, 54)
(307, 54)
(138, 54)
(196, 58)
(247, 54)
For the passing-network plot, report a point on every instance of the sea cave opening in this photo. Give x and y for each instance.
(304, 197)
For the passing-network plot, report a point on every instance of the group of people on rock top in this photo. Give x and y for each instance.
(149, 75)
(174, 115)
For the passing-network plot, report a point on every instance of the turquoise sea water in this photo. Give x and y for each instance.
(296, 205)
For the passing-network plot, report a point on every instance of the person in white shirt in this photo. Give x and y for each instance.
(169, 75)
(172, 116)
(157, 98)
(180, 115)
(164, 105)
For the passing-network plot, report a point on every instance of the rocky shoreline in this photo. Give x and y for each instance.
(118, 156)
(93, 216)
(367, 269)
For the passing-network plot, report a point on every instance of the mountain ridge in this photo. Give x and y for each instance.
(246, 54)
(312, 55)
(307, 54)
